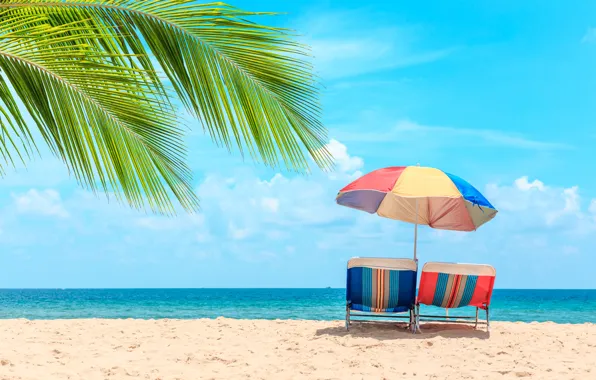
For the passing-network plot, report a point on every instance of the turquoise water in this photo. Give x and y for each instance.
(562, 306)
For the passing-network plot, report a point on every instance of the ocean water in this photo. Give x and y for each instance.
(562, 306)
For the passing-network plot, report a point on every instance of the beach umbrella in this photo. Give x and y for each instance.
(419, 195)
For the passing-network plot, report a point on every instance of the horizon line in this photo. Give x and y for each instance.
(246, 288)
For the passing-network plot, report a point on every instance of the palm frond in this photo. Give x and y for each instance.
(106, 121)
(249, 84)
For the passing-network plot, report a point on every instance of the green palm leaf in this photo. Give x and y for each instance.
(249, 84)
(107, 122)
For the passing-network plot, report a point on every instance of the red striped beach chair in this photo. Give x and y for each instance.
(381, 287)
(450, 285)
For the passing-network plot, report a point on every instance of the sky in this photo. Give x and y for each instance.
(502, 94)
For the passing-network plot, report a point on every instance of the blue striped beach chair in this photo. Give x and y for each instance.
(381, 287)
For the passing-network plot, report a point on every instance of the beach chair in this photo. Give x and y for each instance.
(450, 285)
(381, 287)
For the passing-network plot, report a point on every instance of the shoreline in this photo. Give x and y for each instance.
(226, 348)
(379, 320)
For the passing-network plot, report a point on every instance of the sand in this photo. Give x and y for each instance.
(258, 349)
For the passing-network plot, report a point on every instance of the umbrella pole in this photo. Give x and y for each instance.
(416, 233)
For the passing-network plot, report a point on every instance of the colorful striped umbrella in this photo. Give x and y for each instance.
(419, 195)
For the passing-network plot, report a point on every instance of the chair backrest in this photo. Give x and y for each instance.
(451, 285)
(381, 284)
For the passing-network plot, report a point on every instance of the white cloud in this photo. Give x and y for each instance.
(590, 35)
(523, 184)
(345, 163)
(307, 225)
(571, 197)
(531, 215)
(46, 202)
(287, 200)
(406, 130)
(270, 204)
(298, 201)
(282, 207)
(533, 205)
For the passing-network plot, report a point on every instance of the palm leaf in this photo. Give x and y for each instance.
(107, 122)
(249, 84)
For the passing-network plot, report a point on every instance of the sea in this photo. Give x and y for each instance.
(561, 306)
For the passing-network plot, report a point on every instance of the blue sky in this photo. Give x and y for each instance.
(502, 94)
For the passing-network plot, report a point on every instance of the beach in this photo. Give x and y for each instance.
(224, 348)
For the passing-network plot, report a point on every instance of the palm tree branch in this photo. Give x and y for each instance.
(103, 120)
(212, 55)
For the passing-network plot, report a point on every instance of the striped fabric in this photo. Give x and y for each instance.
(454, 290)
(414, 194)
(380, 290)
(449, 290)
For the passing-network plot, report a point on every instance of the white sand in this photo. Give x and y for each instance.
(257, 349)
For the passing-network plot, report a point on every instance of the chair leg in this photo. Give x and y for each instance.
(487, 321)
(417, 319)
(347, 317)
(476, 324)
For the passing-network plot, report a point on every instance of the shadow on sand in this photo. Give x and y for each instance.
(389, 331)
